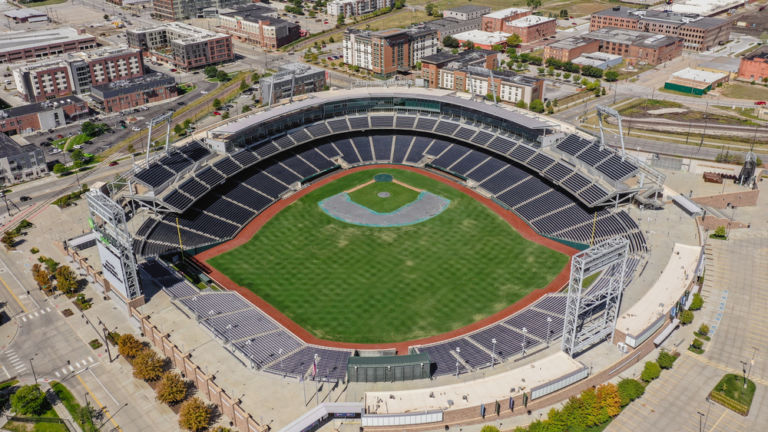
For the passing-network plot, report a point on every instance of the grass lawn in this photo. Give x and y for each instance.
(350, 283)
(402, 18)
(731, 389)
(69, 402)
(34, 4)
(745, 91)
(15, 426)
(398, 196)
(76, 140)
(641, 108)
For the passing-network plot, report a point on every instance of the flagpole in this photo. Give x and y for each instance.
(304, 388)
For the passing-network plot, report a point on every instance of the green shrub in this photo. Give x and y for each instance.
(697, 302)
(697, 343)
(34, 250)
(704, 330)
(29, 400)
(651, 371)
(686, 317)
(629, 390)
(665, 360)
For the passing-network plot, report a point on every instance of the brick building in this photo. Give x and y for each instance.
(256, 24)
(634, 46)
(390, 51)
(451, 26)
(466, 12)
(19, 162)
(754, 66)
(494, 21)
(531, 28)
(22, 45)
(131, 93)
(508, 86)
(182, 45)
(76, 73)
(568, 49)
(698, 33)
(431, 65)
(42, 115)
(173, 10)
(483, 39)
(26, 15)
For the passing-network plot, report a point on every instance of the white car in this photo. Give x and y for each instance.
(135, 129)
(78, 147)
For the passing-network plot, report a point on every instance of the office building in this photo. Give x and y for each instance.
(451, 26)
(466, 12)
(390, 51)
(182, 45)
(173, 10)
(131, 93)
(431, 65)
(292, 79)
(257, 25)
(508, 86)
(19, 162)
(42, 115)
(634, 46)
(22, 45)
(76, 73)
(699, 33)
(531, 28)
(350, 8)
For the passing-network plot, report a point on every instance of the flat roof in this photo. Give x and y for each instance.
(9, 147)
(482, 37)
(24, 13)
(132, 85)
(288, 70)
(503, 13)
(468, 394)
(699, 75)
(668, 288)
(183, 31)
(468, 9)
(761, 52)
(632, 37)
(39, 106)
(17, 40)
(571, 42)
(530, 20)
(437, 95)
(729, 64)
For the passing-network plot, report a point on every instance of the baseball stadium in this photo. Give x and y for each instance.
(410, 245)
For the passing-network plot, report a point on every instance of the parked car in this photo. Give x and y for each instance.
(78, 147)
(135, 129)
(760, 103)
(216, 113)
(173, 70)
(24, 198)
(113, 163)
(180, 103)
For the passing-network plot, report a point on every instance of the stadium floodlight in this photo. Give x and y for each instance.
(525, 334)
(457, 368)
(280, 353)
(549, 326)
(493, 352)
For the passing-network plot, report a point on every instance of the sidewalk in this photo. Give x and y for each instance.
(59, 407)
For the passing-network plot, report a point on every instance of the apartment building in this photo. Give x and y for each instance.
(494, 21)
(390, 51)
(507, 85)
(258, 25)
(131, 93)
(42, 115)
(431, 65)
(16, 46)
(356, 7)
(291, 79)
(76, 73)
(19, 162)
(174, 10)
(182, 45)
(466, 12)
(699, 33)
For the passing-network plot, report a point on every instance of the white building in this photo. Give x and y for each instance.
(356, 7)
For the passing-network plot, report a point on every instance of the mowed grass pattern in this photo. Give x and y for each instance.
(348, 283)
(368, 196)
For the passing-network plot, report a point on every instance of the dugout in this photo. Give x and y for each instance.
(388, 368)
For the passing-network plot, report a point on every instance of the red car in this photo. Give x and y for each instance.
(173, 70)
(113, 163)
(760, 103)
(216, 113)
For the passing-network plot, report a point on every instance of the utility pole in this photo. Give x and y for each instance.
(106, 341)
(706, 110)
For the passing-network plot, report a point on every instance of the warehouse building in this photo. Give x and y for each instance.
(131, 93)
(599, 60)
(26, 15)
(634, 46)
(22, 45)
(494, 21)
(754, 66)
(531, 28)
(466, 12)
(568, 49)
(694, 81)
(483, 39)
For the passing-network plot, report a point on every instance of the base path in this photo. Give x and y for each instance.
(260, 220)
(426, 206)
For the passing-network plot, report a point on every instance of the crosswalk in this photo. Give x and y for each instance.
(75, 366)
(15, 363)
(32, 315)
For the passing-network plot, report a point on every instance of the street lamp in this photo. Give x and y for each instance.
(549, 325)
(493, 352)
(525, 333)
(701, 416)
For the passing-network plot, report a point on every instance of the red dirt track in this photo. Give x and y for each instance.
(402, 347)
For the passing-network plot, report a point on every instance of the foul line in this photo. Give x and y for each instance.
(106, 412)
(14, 295)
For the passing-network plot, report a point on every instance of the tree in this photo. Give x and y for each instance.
(255, 77)
(41, 276)
(537, 106)
(720, 232)
(128, 346)
(650, 372)
(66, 279)
(225, 115)
(629, 390)
(178, 129)
(704, 330)
(106, 17)
(592, 71)
(244, 85)
(88, 128)
(489, 428)
(450, 41)
(340, 20)
(429, 8)
(148, 365)
(187, 123)
(469, 45)
(216, 103)
(194, 415)
(246, 108)
(590, 407)
(521, 104)
(210, 71)
(610, 401)
(29, 400)
(514, 40)
(611, 76)
(533, 4)
(222, 76)
(171, 389)
(686, 317)
(665, 360)
(60, 168)
(697, 302)
(563, 13)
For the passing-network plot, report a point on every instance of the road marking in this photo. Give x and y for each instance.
(42, 311)
(64, 370)
(36, 315)
(93, 396)
(48, 309)
(77, 364)
(57, 374)
(24, 318)
(718, 421)
(71, 368)
(6, 372)
(90, 359)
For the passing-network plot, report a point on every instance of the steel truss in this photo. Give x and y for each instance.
(108, 219)
(585, 323)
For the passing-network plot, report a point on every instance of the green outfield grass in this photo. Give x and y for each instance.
(369, 196)
(350, 283)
